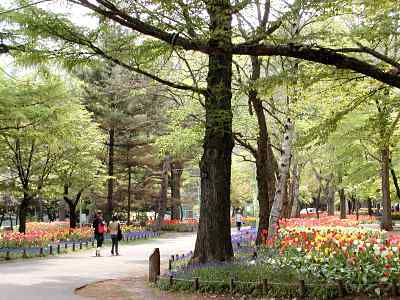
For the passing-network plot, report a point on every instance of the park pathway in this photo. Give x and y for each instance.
(57, 277)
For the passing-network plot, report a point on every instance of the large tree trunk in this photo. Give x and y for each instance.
(395, 181)
(286, 197)
(331, 199)
(284, 162)
(73, 218)
(162, 205)
(387, 212)
(369, 204)
(214, 234)
(23, 211)
(176, 175)
(295, 192)
(265, 171)
(129, 194)
(110, 190)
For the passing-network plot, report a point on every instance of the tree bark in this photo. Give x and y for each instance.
(73, 220)
(214, 233)
(110, 190)
(369, 203)
(331, 199)
(129, 194)
(23, 211)
(286, 197)
(176, 176)
(295, 192)
(395, 182)
(72, 204)
(166, 168)
(284, 162)
(385, 184)
(265, 171)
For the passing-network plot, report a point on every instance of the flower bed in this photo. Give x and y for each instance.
(320, 261)
(185, 225)
(41, 234)
(47, 238)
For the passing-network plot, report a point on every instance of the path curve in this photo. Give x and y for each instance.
(57, 277)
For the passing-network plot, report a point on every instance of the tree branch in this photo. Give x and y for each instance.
(117, 15)
(321, 55)
(238, 138)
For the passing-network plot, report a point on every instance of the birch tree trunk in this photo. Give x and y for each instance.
(296, 189)
(283, 166)
(166, 168)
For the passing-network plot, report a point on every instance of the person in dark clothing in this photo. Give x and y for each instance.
(99, 229)
(113, 229)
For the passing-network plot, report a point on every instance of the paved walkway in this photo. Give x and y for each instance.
(56, 278)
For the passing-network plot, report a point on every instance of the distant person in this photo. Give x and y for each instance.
(99, 229)
(115, 231)
(239, 219)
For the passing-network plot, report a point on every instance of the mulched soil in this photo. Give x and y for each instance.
(136, 288)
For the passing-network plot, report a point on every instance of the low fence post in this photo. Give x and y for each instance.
(41, 251)
(73, 246)
(24, 253)
(394, 288)
(171, 280)
(80, 245)
(231, 285)
(196, 284)
(154, 265)
(58, 249)
(87, 244)
(341, 288)
(51, 250)
(8, 255)
(66, 246)
(302, 286)
(265, 286)
(92, 243)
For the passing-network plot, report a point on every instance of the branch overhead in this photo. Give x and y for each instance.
(321, 55)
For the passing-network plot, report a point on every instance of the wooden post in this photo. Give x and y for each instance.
(394, 288)
(231, 285)
(51, 249)
(73, 246)
(87, 244)
(24, 253)
(196, 284)
(66, 246)
(8, 255)
(154, 265)
(265, 286)
(41, 251)
(302, 288)
(58, 249)
(341, 288)
(80, 245)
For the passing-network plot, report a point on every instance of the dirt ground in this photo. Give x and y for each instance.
(136, 288)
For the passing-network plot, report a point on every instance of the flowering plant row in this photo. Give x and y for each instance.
(40, 238)
(325, 220)
(40, 234)
(176, 222)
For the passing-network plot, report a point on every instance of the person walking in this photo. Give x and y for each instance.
(99, 229)
(238, 218)
(115, 232)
